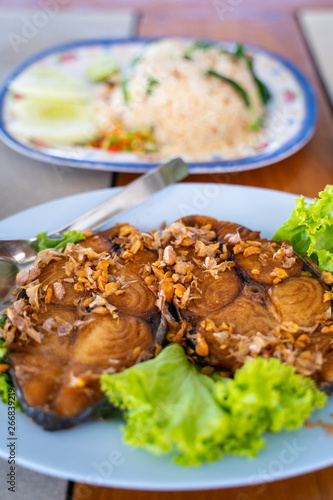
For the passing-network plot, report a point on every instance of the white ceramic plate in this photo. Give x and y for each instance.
(289, 125)
(94, 452)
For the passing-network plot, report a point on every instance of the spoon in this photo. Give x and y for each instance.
(20, 254)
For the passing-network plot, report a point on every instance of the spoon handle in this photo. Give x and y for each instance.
(24, 251)
(136, 192)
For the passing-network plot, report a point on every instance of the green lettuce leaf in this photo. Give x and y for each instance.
(5, 380)
(310, 229)
(45, 242)
(3, 319)
(171, 407)
(5, 384)
(265, 395)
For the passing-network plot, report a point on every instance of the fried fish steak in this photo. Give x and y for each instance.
(243, 296)
(79, 313)
(112, 300)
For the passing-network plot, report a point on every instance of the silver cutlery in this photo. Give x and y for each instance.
(19, 254)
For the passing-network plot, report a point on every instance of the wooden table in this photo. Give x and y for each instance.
(272, 25)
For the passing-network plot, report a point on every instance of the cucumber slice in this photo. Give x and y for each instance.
(102, 69)
(47, 84)
(65, 132)
(31, 109)
(54, 122)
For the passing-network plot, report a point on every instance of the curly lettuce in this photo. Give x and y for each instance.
(265, 396)
(310, 229)
(170, 406)
(5, 380)
(45, 242)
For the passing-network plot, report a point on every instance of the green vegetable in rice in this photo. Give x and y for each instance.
(263, 90)
(151, 84)
(243, 94)
(124, 86)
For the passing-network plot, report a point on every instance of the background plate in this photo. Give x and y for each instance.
(290, 122)
(94, 452)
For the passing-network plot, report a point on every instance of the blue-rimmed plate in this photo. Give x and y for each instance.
(94, 452)
(289, 124)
